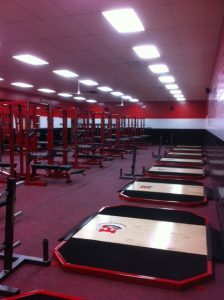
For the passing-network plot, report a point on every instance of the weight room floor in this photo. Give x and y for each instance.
(49, 212)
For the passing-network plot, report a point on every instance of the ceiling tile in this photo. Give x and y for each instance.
(192, 48)
(75, 7)
(165, 36)
(94, 23)
(16, 30)
(108, 4)
(211, 48)
(40, 8)
(67, 26)
(41, 29)
(156, 17)
(212, 33)
(194, 34)
(13, 12)
(215, 11)
(189, 13)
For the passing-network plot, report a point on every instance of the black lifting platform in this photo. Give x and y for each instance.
(158, 247)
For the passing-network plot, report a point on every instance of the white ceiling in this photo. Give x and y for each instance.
(73, 34)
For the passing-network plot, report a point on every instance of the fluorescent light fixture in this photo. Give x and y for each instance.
(159, 68)
(172, 86)
(166, 79)
(88, 82)
(45, 90)
(146, 51)
(105, 89)
(1, 79)
(66, 73)
(133, 100)
(178, 96)
(117, 94)
(65, 95)
(176, 92)
(91, 101)
(22, 84)
(30, 59)
(124, 20)
(79, 98)
(181, 99)
(126, 97)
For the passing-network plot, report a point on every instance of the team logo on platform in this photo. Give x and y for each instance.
(109, 227)
(145, 186)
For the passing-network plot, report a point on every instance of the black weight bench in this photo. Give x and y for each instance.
(78, 171)
(59, 171)
(6, 165)
(90, 156)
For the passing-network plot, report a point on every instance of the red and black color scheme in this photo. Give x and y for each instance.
(141, 192)
(176, 172)
(44, 295)
(155, 266)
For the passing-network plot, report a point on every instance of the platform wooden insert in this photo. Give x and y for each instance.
(186, 149)
(162, 235)
(186, 146)
(168, 188)
(176, 170)
(184, 153)
(183, 160)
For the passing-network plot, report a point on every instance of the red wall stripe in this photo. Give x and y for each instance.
(155, 110)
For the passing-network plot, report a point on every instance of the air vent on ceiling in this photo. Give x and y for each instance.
(92, 92)
(134, 63)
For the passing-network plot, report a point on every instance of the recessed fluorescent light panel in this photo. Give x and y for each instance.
(91, 101)
(79, 98)
(22, 84)
(117, 94)
(133, 100)
(88, 82)
(159, 68)
(45, 90)
(126, 97)
(105, 89)
(65, 95)
(65, 73)
(146, 51)
(166, 79)
(175, 92)
(124, 20)
(178, 96)
(172, 86)
(30, 59)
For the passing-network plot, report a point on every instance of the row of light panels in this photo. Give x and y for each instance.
(124, 21)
